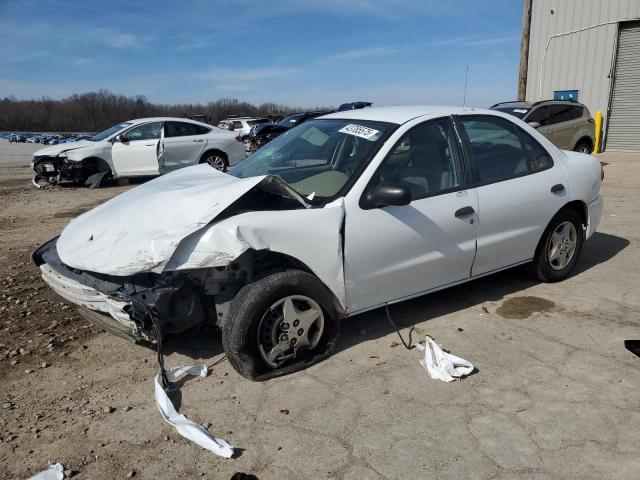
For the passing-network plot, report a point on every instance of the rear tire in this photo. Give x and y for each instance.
(217, 160)
(583, 147)
(258, 312)
(559, 248)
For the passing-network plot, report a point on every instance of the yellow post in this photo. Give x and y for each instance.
(596, 147)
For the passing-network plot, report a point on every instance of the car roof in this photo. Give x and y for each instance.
(515, 104)
(165, 119)
(400, 114)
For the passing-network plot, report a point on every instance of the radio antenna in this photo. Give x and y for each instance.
(466, 78)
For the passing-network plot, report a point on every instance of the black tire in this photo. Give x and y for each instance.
(251, 304)
(542, 267)
(216, 159)
(583, 147)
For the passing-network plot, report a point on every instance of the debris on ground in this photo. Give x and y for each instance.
(54, 472)
(185, 427)
(442, 365)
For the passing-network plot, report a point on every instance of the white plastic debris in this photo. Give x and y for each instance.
(185, 427)
(442, 365)
(54, 472)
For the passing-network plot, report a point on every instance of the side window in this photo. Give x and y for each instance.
(539, 158)
(495, 148)
(565, 113)
(237, 125)
(183, 129)
(426, 160)
(148, 131)
(542, 115)
(576, 112)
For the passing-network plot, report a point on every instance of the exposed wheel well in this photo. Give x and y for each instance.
(580, 208)
(97, 165)
(225, 282)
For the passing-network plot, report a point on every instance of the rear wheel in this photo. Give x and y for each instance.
(559, 247)
(583, 147)
(278, 325)
(217, 160)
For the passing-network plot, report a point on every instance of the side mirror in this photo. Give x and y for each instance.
(387, 194)
(534, 124)
(119, 138)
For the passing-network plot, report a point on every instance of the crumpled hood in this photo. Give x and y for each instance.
(53, 150)
(140, 229)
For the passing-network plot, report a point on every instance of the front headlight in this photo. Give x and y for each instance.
(63, 155)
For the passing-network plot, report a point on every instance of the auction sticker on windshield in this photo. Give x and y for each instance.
(359, 131)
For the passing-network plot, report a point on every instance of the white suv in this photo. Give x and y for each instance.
(241, 125)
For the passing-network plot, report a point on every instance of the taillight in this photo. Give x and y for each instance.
(238, 139)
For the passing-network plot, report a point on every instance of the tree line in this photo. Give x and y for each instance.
(96, 111)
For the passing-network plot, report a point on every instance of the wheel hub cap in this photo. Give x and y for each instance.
(292, 323)
(562, 245)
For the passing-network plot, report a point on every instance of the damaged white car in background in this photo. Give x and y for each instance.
(143, 147)
(342, 214)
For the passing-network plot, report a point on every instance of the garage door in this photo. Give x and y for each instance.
(624, 119)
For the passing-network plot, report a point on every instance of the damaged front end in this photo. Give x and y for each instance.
(134, 307)
(49, 170)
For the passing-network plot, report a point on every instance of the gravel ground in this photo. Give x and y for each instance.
(555, 394)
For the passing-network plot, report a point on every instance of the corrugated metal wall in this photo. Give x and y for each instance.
(624, 124)
(577, 61)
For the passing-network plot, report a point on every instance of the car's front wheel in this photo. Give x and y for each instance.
(279, 324)
(559, 247)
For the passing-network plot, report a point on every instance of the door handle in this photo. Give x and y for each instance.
(464, 211)
(197, 140)
(558, 188)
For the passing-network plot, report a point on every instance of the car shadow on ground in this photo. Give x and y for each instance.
(206, 343)
(374, 324)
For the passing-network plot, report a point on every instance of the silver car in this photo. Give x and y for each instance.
(568, 125)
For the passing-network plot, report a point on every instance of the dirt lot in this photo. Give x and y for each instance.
(555, 395)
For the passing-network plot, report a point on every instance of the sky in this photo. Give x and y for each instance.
(297, 52)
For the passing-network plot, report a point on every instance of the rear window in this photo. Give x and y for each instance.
(519, 112)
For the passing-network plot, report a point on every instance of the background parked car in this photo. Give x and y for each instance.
(242, 126)
(17, 138)
(567, 124)
(142, 147)
(265, 132)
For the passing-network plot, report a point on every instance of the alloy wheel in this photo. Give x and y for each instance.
(217, 162)
(562, 245)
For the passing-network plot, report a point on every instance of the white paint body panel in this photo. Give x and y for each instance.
(140, 229)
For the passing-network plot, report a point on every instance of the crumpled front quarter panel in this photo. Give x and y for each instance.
(140, 229)
(312, 236)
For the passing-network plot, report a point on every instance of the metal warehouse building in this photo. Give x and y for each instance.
(587, 50)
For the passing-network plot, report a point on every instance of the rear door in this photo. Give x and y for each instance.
(565, 125)
(138, 152)
(519, 190)
(184, 144)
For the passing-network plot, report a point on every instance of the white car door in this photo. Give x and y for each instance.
(519, 190)
(184, 144)
(395, 252)
(137, 153)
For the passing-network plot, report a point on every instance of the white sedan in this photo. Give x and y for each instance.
(342, 214)
(142, 147)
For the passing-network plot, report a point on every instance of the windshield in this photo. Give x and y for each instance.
(319, 158)
(519, 112)
(109, 131)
